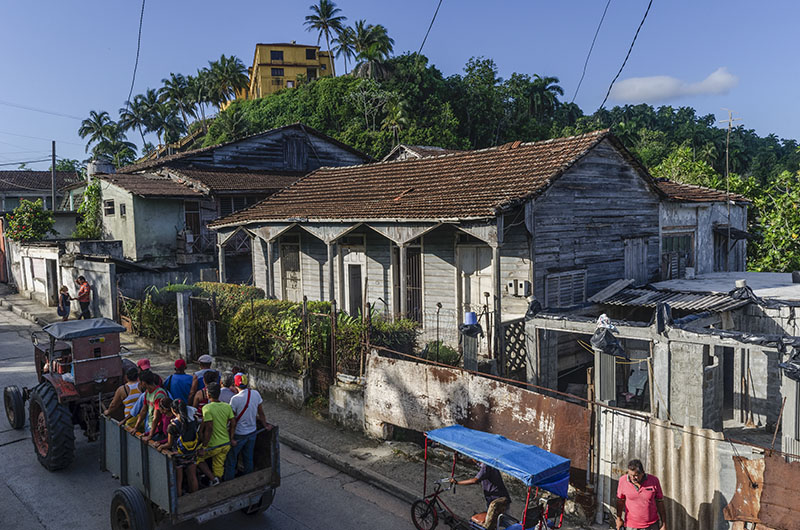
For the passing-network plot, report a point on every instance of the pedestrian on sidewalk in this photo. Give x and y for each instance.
(219, 426)
(179, 383)
(84, 297)
(63, 303)
(246, 406)
(640, 501)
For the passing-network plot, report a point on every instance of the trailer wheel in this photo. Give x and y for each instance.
(51, 428)
(263, 503)
(129, 510)
(15, 408)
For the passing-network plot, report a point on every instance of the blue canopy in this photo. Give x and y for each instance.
(530, 464)
(73, 329)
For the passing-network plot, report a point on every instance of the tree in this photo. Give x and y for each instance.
(199, 92)
(779, 220)
(135, 115)
(681, 166)
(96, 127)
(325, 19)
(176, 92)
(231, 124)
(91, 213)
(226, 77)
(345, 45)
(396, 118)
(30, 221)
(70, 164)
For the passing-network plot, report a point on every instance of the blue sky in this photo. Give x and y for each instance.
(72, 57)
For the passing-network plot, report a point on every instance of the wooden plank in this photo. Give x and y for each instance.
(611, 290)
(204, 498)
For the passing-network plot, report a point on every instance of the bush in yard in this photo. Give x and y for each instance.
(440, 352)
(30, 222)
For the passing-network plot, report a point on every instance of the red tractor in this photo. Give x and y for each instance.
(79, 366)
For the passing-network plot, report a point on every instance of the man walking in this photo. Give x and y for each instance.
(84, 297)
(640, 500)
(247, 409)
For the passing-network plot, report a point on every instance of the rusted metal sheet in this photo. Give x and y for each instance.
(766, 493)
(685, 461)
(65, 390)
(746, 502)
(422, 397)
(623, 437)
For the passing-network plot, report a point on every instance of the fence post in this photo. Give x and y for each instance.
(212, 338)
(252, 318)
(184, 324)
(334, 357)
(141, 316)
(304, 327)
(365, 347)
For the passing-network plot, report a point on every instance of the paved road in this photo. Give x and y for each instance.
(312, 495)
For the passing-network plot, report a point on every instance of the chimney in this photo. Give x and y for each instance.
(99, 165)
(741, 283)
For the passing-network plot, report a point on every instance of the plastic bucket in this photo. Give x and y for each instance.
(470, 318)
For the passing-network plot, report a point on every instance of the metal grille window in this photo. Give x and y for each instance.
(108, 208)
(276, 55)
(277, 72)
(677, 253)
(311, 54)
(565, 289)
(122, 210)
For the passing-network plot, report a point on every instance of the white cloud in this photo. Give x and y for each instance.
(664, 87)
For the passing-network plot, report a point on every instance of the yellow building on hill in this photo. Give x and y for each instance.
(281, 65)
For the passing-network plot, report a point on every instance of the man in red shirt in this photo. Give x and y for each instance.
(640, 499)
(84, 296)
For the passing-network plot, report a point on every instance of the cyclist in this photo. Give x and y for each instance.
(494, 490)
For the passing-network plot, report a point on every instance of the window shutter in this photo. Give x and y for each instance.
(565, 289)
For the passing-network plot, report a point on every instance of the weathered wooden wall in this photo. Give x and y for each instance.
(581, 221)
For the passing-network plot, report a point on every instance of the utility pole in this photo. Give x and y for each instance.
(728, 246)
(53, 178)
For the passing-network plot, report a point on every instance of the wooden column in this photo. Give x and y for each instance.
(331, 290)
(499, 349)
(403, 280)
(340, 273)
(270, 271)
(221, 259)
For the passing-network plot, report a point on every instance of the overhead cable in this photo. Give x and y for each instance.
(429, 27)
(586, 62)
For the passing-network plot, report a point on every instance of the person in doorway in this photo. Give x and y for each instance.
(640, 501)
(84, 297)
(494, 491)
(63, 303)
(198, 383)
(219, 426)
(179, 383)
(246, 405)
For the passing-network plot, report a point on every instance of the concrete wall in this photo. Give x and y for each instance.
(28, 270)
(117, 227)
(102, 278)
(158, 222)
(133, 284)
(346, 405)
(287, 387)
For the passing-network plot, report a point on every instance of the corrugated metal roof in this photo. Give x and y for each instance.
(684, 301)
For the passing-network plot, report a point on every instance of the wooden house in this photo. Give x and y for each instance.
(433, 237)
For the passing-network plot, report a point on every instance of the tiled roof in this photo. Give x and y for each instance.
(151, 186)
(689, 193)
(470, 184)
(239, 180)
(181, 159)
(21, 181)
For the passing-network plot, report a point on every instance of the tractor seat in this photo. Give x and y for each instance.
(478, 519)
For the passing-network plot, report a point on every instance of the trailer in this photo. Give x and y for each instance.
(148, 491)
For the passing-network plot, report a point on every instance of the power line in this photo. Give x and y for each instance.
(586, 63)
(35, 109)
(25, 162)
(429, 27)
(627, 55)
(138, 49)
(38, 138)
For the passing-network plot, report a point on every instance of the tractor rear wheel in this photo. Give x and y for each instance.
(15, 408)
(129, 510)
(52, 431)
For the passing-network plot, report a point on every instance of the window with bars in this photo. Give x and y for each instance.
(311, 54)
(233, 203)
(277, 72)
(677, 253)
(565, 289)
(276, 55)
(108, 208)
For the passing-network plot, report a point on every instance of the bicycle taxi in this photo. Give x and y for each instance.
(536, 468)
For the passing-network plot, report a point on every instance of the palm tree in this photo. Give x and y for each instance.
(96, 127)
(397, 118)
(166, 123)
(544, 96)
(365, 35)
(135, 114)
(325, 19)
(232, 124)
(345, 45)
(371, 63)
(176, 91)
(199, 91)
(227, 76)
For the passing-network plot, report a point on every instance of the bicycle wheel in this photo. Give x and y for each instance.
(423, 515)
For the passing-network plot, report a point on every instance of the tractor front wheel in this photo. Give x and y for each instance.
(15, 408)
(52, 431)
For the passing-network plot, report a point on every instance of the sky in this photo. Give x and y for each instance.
(68, 58)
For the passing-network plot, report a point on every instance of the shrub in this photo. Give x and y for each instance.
(442, 353)
(30, 221)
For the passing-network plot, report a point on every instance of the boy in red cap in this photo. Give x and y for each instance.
(247, 411)
(179, 383)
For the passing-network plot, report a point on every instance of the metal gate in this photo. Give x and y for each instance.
(203, 310)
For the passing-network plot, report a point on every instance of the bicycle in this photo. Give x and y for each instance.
(425, 512)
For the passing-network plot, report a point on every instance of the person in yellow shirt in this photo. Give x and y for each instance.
(219, 425)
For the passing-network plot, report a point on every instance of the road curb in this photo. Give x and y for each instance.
(338, 462)
(27, 315)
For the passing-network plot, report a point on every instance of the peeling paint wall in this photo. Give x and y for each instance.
(422, 397)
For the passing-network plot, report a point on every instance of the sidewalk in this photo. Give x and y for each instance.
(396, 467)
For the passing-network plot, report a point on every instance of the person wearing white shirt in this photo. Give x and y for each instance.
(247, 410)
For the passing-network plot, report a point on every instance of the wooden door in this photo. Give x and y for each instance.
(290, 272)
(475, 266)
(636, 260)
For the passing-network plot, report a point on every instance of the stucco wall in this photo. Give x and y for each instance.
(158, 222)
(118, 227)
